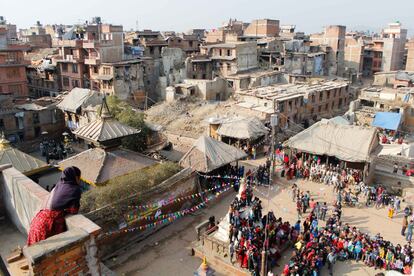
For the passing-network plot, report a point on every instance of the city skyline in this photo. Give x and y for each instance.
(165, 15)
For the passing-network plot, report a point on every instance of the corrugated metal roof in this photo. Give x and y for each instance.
(104, 129)
(78, 97)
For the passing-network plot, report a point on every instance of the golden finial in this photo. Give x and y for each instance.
(4, 143)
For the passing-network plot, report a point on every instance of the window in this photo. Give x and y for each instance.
(96, 71)
(106, 71)
(15, 88)
(333, 105)
(220, 52)
(37, 131)
(1, 124)
(64, 67)
(228, 66)
(320, 109)
(320, 96)
(326, 107)
(328, 94)
(339, 103)
(65, 81)
(282, 107)
(190, 43)
(229, 52)
(36, 119)
(313, 98)
(74, 68)
(75, 83)
(13, 73)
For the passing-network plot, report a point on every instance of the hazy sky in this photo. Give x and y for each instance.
(181, 15)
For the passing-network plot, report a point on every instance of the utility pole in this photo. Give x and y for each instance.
(274, 118)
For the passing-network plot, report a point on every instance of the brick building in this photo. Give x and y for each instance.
(22, 123)
(298, 103)
(263, 28)
(12, 69)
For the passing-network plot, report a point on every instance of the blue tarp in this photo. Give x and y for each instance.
(387, 120)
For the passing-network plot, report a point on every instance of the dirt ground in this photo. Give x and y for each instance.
(168, 251)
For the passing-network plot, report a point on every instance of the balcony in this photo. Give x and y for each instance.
(67, 43)
(89, 44)
(92, 60)
(72, 57)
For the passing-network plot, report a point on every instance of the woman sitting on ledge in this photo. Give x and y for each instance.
(63, 199)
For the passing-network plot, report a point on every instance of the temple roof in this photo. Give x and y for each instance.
(23, 162)
(105, 128)
(98, 165)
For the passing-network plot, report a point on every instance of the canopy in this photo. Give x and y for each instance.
(345, 142)
(208, 154)
(243, 128)
(387, 120)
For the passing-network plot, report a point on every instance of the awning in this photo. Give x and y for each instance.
(387, 120)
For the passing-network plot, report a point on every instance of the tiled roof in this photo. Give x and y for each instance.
(98, 165)
(23, 162)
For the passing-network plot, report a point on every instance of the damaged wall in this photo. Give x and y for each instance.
(215, 90)
(172, 70)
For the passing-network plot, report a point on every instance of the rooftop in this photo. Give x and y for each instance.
(282, 91)
(99, 165)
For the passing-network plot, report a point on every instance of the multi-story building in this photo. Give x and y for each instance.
(25, 122)
(190, 44)
(262, 28)
(334, 37)
(300, 58)
(11, 30)
(383, 99)
(83, 48)
(410, 56)
(43, 79)
(12, 67)
(36, 36)
(200, 67)
(300, 103)
(123, 79)
(231, 58)
(354, 53)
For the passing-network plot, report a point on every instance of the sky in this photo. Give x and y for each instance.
(182, 15)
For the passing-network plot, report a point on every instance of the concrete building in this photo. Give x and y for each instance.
(410, 56)
(334, 37)
(395, 38)
(301, 58)
(11, 30)
(232, 58)
(394, 79)
(383, 99)
(233, 27)
(354, 54)
(43, 79)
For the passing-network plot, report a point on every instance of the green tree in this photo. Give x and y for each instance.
(125, 114)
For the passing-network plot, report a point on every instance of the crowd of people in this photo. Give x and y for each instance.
(250, 232)
(54, 150)
(318, 246)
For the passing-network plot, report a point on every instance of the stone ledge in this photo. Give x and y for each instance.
(54, 244)
(82, 222)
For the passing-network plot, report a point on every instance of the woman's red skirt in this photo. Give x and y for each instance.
(45, 224)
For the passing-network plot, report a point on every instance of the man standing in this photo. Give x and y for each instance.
(324, 209)
(231, 250)
(331, 261)
(409, 234)
(404, 225)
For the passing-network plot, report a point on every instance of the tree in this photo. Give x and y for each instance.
(125, 114)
